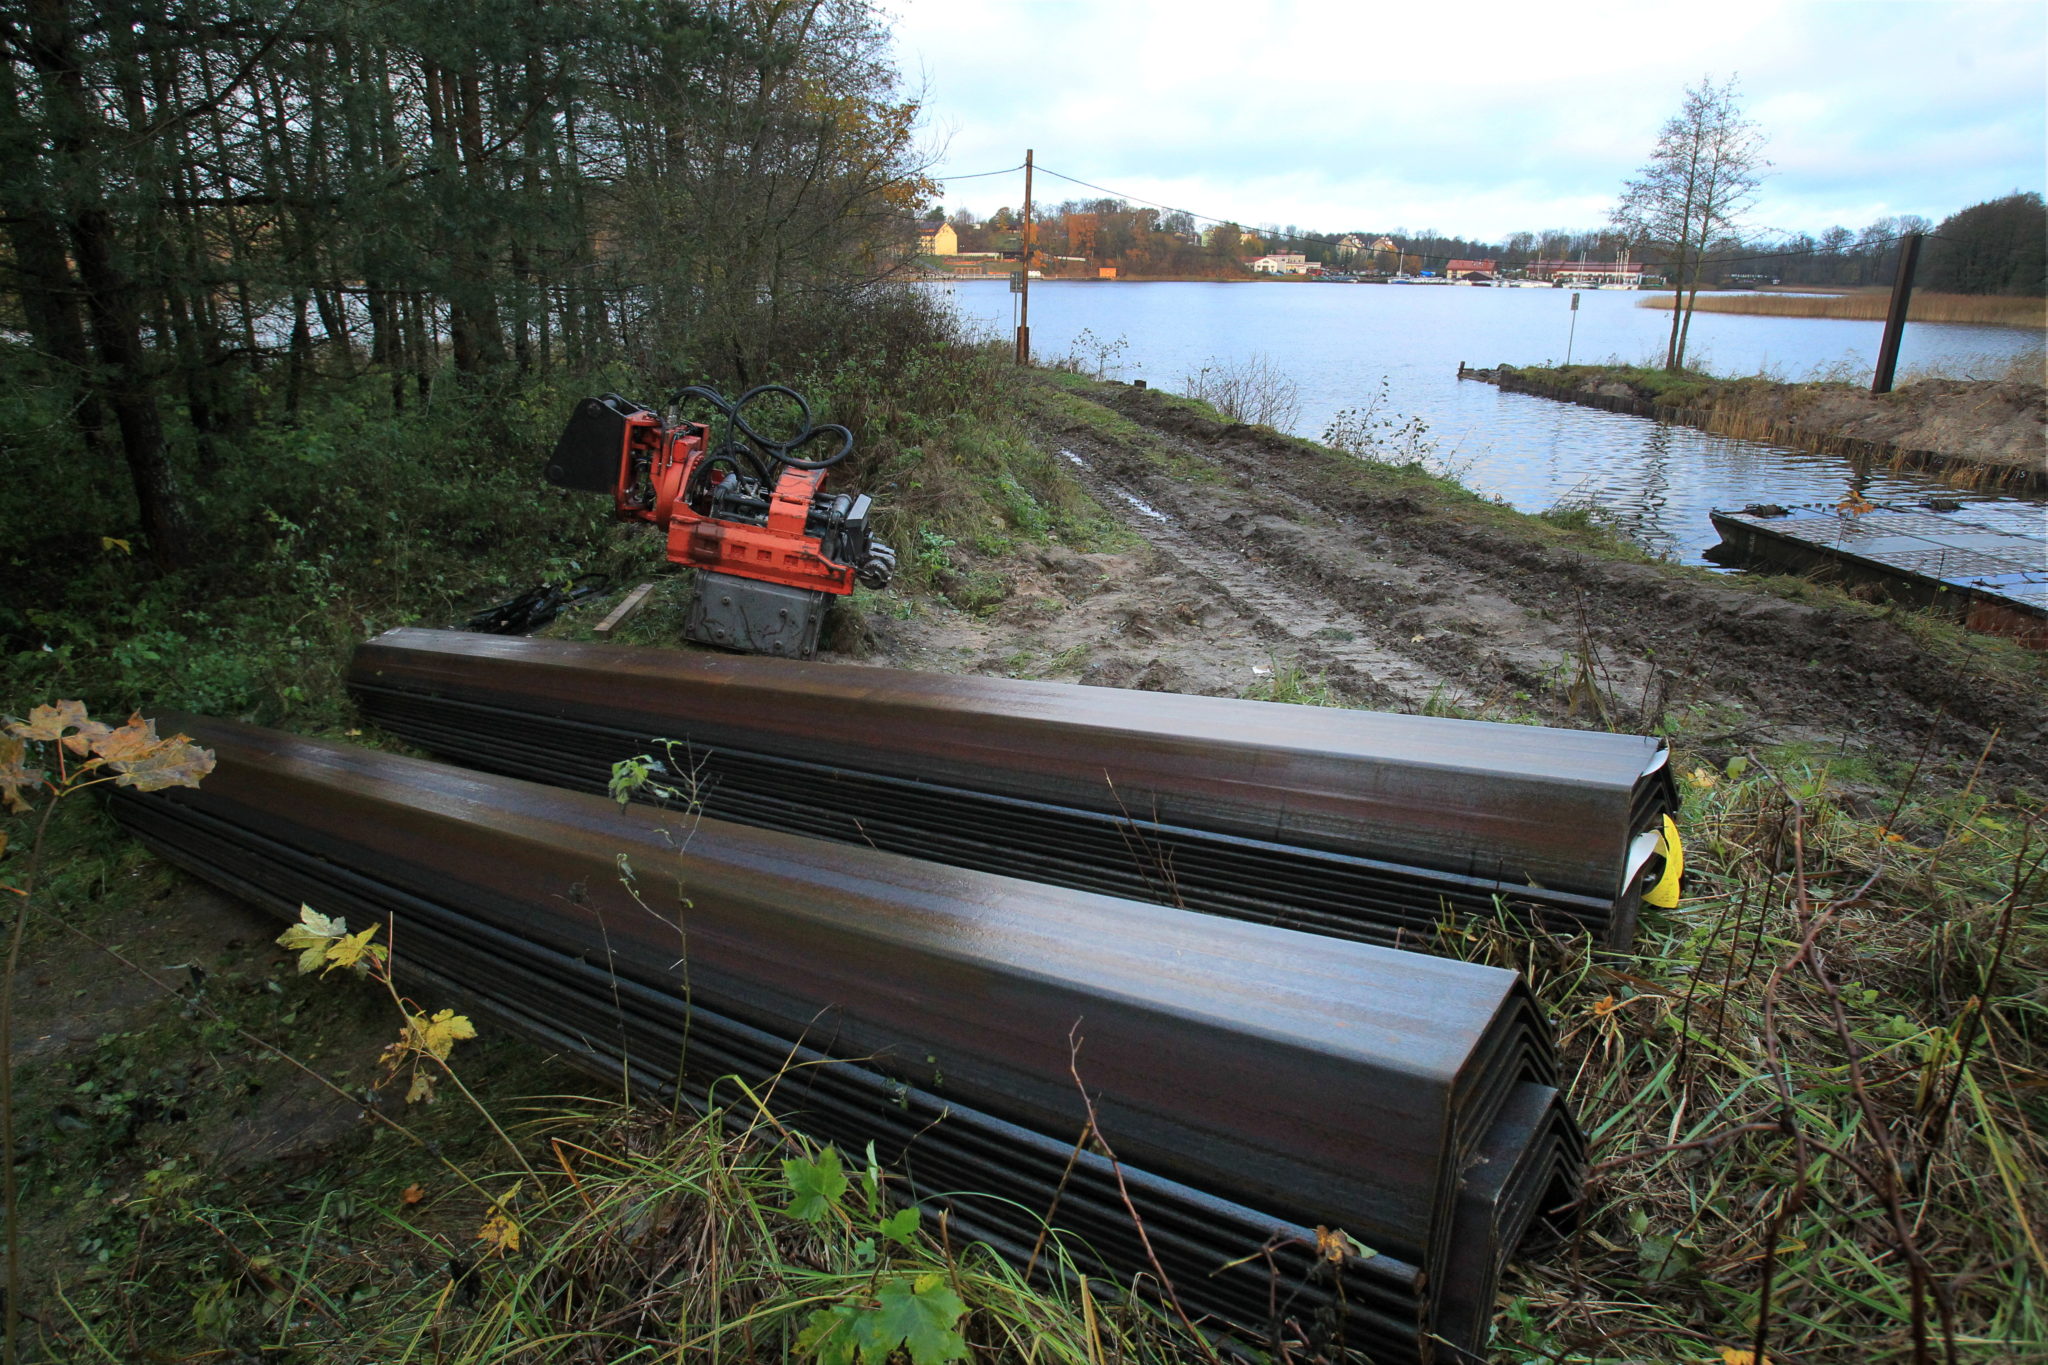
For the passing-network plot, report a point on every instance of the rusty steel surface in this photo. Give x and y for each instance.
(1314, 1081)
(1458, 811)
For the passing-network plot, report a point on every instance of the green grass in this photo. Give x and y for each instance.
(1749, 1100)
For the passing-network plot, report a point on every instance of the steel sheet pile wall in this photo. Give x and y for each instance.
(1355, 824)
(1255, 1082)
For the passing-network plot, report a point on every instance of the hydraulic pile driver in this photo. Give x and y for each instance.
(746, 511)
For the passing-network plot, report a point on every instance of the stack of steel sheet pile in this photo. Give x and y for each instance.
(1255, 1083)
(1361, 825)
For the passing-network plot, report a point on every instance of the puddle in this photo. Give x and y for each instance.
(1143, 508)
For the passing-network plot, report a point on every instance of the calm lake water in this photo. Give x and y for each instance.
(1340, 342)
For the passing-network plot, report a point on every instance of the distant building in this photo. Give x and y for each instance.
(937, 239)
(1472, 270)
(1351, 244)
(1283, 263)
(1589, 274)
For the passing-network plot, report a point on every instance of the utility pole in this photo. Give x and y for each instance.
(1024, 272)
(1895, 317)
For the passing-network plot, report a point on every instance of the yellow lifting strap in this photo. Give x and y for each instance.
(1664, 895)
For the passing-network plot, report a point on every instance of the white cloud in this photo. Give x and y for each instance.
(1482, 120)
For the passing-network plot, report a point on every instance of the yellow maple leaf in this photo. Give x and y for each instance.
(353, 951)
(438, 1036)
(312, 937)
(1703, 778)
(500, 1231)
(421, 1091)
(1735, 1355)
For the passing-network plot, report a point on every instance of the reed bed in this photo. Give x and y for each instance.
(1870, 305)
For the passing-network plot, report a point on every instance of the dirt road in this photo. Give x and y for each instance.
(1275, 568)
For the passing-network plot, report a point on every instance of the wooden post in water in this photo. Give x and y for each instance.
(1024, 273)
(1895, 317)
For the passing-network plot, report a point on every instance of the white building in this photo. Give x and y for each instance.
(1282, 263)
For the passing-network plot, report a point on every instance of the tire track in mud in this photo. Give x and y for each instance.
(1318, 631)
(1514, 616)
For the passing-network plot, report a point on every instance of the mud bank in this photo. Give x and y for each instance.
(1272, 566)
(1986, 434)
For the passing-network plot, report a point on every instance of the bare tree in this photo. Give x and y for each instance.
(1695, 188)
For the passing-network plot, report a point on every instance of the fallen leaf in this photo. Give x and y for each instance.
(412, 1194)
(500, 1233)
(1732, 1355)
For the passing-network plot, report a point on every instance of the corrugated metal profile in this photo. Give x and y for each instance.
(1353, 824)
(1255, 1082)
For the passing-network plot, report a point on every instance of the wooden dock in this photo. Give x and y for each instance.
(1984, 562)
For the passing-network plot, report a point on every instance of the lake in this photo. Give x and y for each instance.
(1341, 342)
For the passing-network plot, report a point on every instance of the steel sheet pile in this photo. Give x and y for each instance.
(1354, 824)
(1256, 1083)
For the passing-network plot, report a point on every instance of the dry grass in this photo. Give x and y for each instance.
(1814, 1092)
(1870, 305)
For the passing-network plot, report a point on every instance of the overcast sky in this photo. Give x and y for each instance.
(1475, 118)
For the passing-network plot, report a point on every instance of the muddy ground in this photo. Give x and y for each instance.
(1271, 563)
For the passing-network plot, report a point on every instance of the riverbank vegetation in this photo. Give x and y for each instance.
(1996, 310)
(1976, 433)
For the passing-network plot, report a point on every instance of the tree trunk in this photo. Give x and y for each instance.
(111, 303)
(1677, 305)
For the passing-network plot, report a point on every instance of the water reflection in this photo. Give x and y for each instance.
(1656, 482)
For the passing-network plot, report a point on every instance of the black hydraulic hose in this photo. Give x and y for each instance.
(777, 453)
(536, 606)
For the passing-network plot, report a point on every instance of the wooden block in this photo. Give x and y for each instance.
(634, 601)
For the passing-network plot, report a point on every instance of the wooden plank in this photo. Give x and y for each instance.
(635, 600)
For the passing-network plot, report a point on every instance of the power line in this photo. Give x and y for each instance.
(1007, 170)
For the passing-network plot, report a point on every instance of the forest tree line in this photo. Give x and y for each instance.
(212, 207)
(1996, 247)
